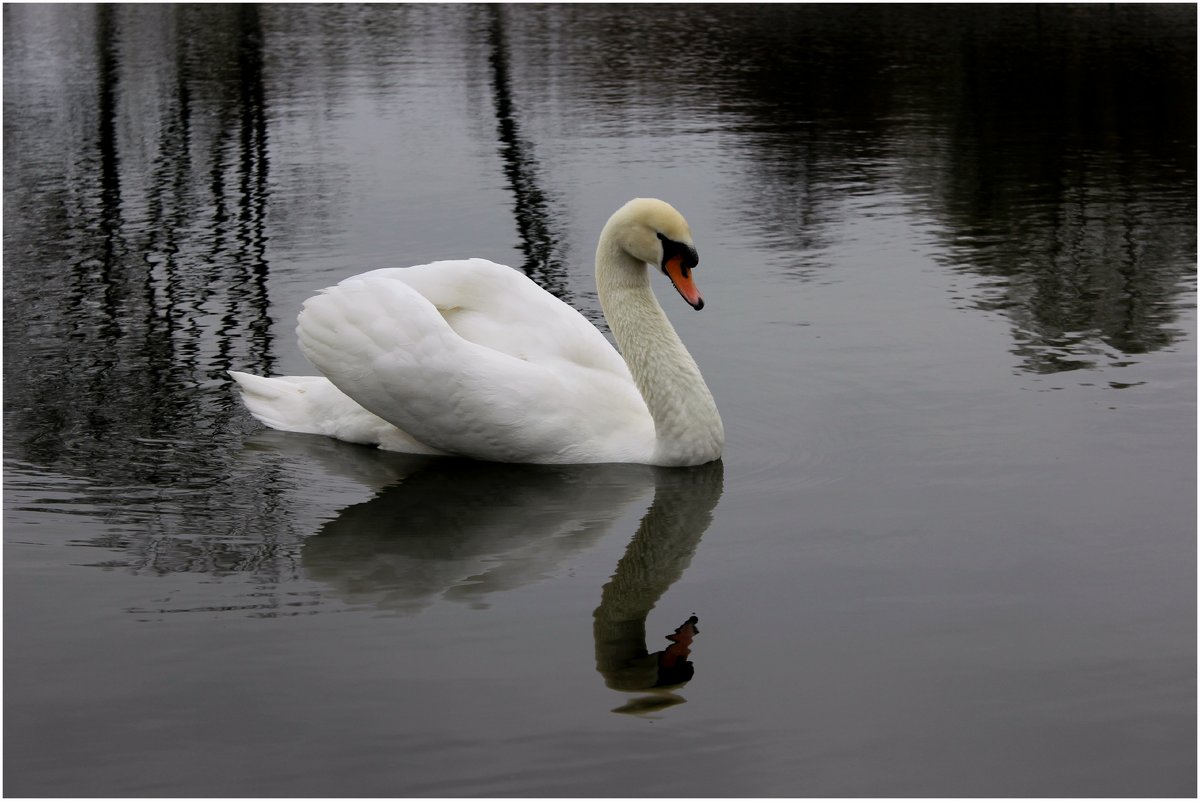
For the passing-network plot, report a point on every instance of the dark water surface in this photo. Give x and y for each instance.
(949, 258)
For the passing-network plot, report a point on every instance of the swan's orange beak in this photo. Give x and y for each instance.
(681, 277)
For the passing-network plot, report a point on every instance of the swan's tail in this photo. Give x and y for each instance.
(283, 402)
(307, 404)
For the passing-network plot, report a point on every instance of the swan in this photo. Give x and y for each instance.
(471, 358)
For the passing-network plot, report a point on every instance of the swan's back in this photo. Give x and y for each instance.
(494, 305)
(473, 358)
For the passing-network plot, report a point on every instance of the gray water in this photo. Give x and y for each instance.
(948, 255)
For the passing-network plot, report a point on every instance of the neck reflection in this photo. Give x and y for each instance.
(657, 556)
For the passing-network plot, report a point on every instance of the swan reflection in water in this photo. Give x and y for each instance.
(439, 528)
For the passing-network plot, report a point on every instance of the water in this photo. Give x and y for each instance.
(949, 259)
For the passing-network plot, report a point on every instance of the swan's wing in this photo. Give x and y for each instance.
(474, 358)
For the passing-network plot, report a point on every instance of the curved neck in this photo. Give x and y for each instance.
(687, 427)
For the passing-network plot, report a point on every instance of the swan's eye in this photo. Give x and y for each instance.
(685, 253)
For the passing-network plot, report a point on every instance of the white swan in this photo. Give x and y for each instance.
(472, 358)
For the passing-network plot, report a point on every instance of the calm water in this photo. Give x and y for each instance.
(949, 258)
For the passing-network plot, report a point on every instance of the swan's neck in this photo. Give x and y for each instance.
(687, 427)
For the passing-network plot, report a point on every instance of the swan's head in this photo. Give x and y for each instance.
(653, 232)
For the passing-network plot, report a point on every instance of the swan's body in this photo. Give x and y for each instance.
(473, 359)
